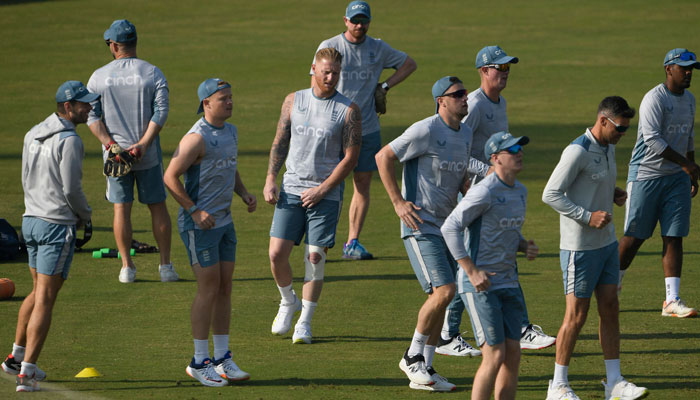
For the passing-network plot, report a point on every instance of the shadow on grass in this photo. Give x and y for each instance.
(356, 339)
(14, 299)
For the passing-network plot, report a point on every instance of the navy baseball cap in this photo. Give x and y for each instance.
(682, 57)
(209, 87)
(74, 90)
(441, 86)
(121, 31)
(490, 55)
(358, 8)
(500, 141)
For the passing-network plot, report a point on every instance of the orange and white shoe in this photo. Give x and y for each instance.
(677, 308)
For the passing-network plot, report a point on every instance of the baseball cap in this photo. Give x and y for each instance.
(682, 57)
(209, 87)
(358, 8)
(493, 55)
(441, 86)
(121, 31)
(500, 141)
(74, 90)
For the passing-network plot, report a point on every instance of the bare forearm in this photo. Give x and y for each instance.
(403, 72)
(152, 132)
(387, 173)
(177, 190)
(99, 129)
(239, 188)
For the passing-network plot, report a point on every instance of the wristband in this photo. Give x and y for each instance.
(385, 86)
(109, 146)
(192, 209)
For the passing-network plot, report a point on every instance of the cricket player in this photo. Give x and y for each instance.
(435, 153)
(493, 211)
(663, 176)
(364, 59)
(487, 115)
(52, 171)
(582, 190)
(208, 158)
(319, 134)
(131, 112)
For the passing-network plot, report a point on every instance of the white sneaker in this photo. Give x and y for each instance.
(456, 346)
(415, 370)
(229, 370)
(441, 384)
(167, 273)
(302, 334)
(677, 308)
(127, 275)
(283, 319)
(27, 383)
(623, 390)
(534, 339)
(205, 373)
(561, 392)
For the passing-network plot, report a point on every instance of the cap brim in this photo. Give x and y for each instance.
(201, 107)
(506, 60)
(88, 98)
(523, 140)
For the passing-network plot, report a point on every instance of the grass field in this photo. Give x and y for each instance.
(572, 54)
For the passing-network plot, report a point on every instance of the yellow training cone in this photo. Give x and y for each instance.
(88, 372)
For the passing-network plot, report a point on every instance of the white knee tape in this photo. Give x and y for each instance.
(314, 272)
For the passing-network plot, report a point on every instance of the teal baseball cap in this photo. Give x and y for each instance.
(358, 8)
(500, 141)
(682, 57)
(209, 87)
(490, 55)
(74, 90)
(441, 86)
(121, 31)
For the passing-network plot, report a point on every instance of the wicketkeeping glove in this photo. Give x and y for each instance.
(380, 100)
(119, 161)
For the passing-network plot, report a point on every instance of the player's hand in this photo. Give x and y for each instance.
(271, 193)
(466, 185)
(532, 250)
(203, 219)
(693, 170)
(599, 219)
(380, 99)
(620, 197)
(311, 197)
(480, 279)
(693, 188)
(407, 213)
(136, 151)
(250, 201)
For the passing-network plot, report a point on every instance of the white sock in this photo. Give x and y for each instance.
(28, 369)
(428, 354)
(417, 344)
(445, 332)
(18, 352)
(307, 312)
(622, 275)
(561, 375)
(288, 294)
(201, 350)
(612, 370)
(673, 287)
(220, 346)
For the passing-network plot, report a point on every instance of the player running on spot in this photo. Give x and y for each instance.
(52, 160)
(493, 211)
(663, 176)
(208, 158)
(319, 134)
(582, 190)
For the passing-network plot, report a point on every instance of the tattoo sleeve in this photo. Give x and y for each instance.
(280, 146)
(352, 131)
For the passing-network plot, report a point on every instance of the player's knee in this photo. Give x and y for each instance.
(315, 262)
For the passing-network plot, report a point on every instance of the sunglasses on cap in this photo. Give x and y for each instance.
(500, 67)
(619, 128)
(514, 149)
(359, 20)
(456, 94)
(685, 56)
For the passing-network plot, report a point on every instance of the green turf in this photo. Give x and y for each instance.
(572, 54)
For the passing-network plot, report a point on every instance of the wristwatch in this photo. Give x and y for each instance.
(385, 86)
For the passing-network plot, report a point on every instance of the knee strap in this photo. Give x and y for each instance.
(314, 272)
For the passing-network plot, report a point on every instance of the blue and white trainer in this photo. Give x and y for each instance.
(205, 373)
(228, 369)
(355, 251)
